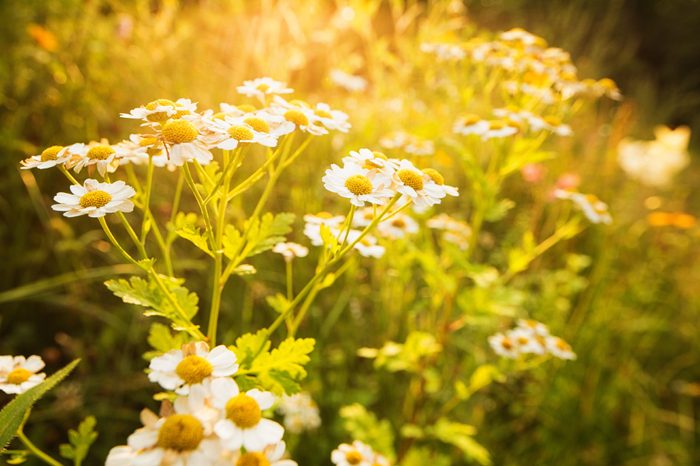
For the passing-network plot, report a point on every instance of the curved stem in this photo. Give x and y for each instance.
(35, 450)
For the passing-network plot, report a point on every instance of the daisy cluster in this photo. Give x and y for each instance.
(534, 69)
(175, 133)
(357, 454)
(508, 122)
(18, 374)
(371, 178)
(530, 337)
(595, 210)
(300, 412)
(211, 421)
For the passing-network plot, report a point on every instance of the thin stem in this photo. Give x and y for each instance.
(68, 175)
(202, 207)
(35, 450)
(147, 201)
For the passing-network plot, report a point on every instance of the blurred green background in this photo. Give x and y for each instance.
(69, 67)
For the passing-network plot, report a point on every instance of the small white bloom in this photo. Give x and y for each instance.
(416, 186)
(242, 424)
(559, 348)
(186, 140)
(367, 246)
(333, 120)
(503, 346)
(95, 199)
(49, 157)
(161, 110)
(260, 88)
(300, 114)
(357, 454)
(399, 225)
(527, 341)
(290, 250)
(593, 208)
(300, 412)
(348, 81)
(192, 365)
(470, 124)
(355, 183)
(18, 374)
(234, 131)
(103, 156)
(272, 455)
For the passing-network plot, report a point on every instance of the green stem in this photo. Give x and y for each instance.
(200, 202)
(35, 450)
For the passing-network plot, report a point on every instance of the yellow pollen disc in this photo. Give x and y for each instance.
(607, 83)
(370, 164)
(246, 108)
(219, 116)
(241, 133)
(323, 113)
(497, 124)
(522, 340)
(181, 432)
(258, 124)
(179, 131)
(554, 121)
(159, 116)
(358, 185)
(262, 87)
(411, 178)
(253, 459)
(100, 152)
(435, 175)
(50, 153)
(95, 198)
(398, 223)
(470, 119)
(507, 344)
(147, 142)
(353, 457)
(562, 345)
(193, 369)
(244, 411)
(18, 376)
(297, 117)
(154, 150)
(324, 215)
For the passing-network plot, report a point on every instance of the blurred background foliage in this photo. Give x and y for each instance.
(69, 67)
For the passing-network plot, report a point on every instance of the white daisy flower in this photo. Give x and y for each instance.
(559, 348)
(534, 327)
(185, 140)
(95, 199)
(300, 114)
(416, 186)
(502, 345)
(527, 341)
(357, 454)
(272, 455)
(356, 184)
(49, 157)
(232, 132)
(433, 176)
(347, 81)
(18, 374)
(399, 225)
(291, 250)
(419, 147)
(499, 129)
(333, 120)
(550, 123)
(470, 124)
(367, 246)
(454, 231)
(595, 210)
(300, 412)
(312, 227)
(522, 36)
(260, 88)
(243, 424)
(161, 110)
(179, 370)
(180, 439)
(104, 157)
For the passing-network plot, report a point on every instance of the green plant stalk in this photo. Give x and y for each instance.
(35, 450)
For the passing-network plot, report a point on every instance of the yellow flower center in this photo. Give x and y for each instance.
(398, 223)
(353, 457)
(258, 124)
(179, 131)
(297, 117)
(562, 345)
(507, 344)
(247, 108)
(552, 120)
(193, 369)
(97, 198)
(252, 459)
(358, 185)
(324, 215)
(411, 178)
(244, 411)
(470, 119)
(159, 116)
(497, 124)
(262, 87)
(435, 175)
(241, 133)
(523, 340)
(323, 113)
(100, 152)
(181, 432)
(50, 153)
(18, 376)
(147, 142)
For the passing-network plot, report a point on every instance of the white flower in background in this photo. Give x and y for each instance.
(95, 199)
(397, 226)
(312, 226)
(180, 439)
(348, 81)
(595, 210)
(499, 129)
(420, 147)
(522, 36)
(243, 424)
(435, 177)
(380, 167)
(367, 246)
(526, 341)
(559, 348)
(49, 157)
(104, 157)
(18, 374)
(655, 163)
(161, 110)
(503, 345)
(185, 141)
(443, 51)
(534, 327)
(300, 114)
(470, 124)
(272, 455)
(333, 120)
(408, 143)
(260, 88)
(355, 183)
(291, 250)
(300, 412)
(453, 230)
(416, 186)
(179, 370)
(235, 131)
(357, 454)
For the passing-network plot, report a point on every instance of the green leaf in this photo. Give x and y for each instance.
(185, 227)
(278, 302)
(270, 230)
(247, 346)
(13, 413)
(232, 241)
(162, 340)
(80, 441)
(146, 293)
(460, 436)
(364, 426)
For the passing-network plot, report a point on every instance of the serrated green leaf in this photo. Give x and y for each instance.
(247, 346)
(460, 436)
(232, 241)
(270, 230)
(280, 370)
(161, 339)
(80, 441)
(13, 413)
(278, 302)
(186, 228)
